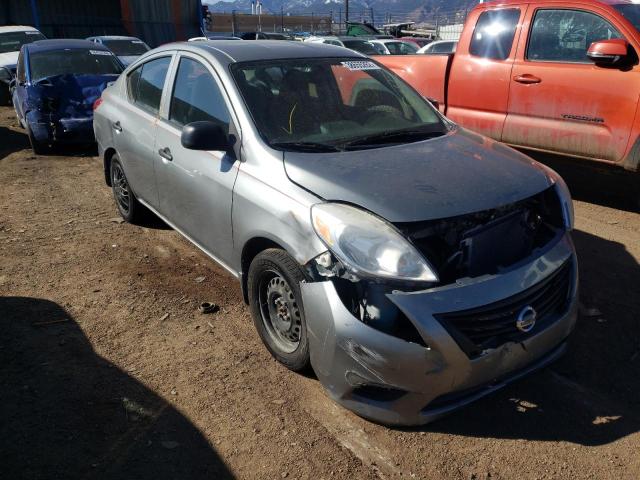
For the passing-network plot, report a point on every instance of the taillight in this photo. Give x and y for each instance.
(97, 103)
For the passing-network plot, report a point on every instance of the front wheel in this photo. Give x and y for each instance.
(276, 307)
(39, 148)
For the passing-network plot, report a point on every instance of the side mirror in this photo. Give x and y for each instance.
(205, 136)
(608, 52)
(434, 102)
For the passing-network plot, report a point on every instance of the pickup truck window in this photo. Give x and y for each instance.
(565, 35)
(494, 32)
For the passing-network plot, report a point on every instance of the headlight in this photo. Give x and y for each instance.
(564, 194)
(367, 245)
(5, 75)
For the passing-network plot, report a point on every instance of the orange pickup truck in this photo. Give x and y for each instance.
(557, 76)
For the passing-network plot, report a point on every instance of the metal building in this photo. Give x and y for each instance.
(155, 21)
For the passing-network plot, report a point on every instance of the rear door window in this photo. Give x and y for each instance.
(565, 35)
(146, 83)
(197, 96)
(494, 33)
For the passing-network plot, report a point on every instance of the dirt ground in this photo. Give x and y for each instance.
(108, 370)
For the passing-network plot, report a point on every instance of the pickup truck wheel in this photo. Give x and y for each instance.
(38, 148)
(276, 307)
(128, 206)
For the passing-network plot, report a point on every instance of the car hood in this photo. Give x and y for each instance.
(9, 59)
(69, 95)
(455, 174)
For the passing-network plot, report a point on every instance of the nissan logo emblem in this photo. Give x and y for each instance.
(526, 319)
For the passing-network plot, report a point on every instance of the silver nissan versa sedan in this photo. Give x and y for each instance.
(416, 266)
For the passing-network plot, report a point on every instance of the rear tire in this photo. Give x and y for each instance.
(130, 209)
(275, 300)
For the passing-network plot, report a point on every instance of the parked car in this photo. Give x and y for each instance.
(356, 44)
(419, 42)
(440, 47)
(212, 36)
(394, 47)
(553, 76)
(264, 36)
(57, 83)
(127, 49)
(415, 265)
(11, 39)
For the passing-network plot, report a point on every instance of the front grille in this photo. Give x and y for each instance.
(492, 325)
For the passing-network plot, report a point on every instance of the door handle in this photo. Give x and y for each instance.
(117, 127)
(527, 79)
(166, 154)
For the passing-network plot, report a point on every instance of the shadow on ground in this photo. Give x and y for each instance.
(12, 141)
(594, 183)
(592, 395)
(68, 413)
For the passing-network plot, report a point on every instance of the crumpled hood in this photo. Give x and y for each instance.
(9, 59)
(443, 177)
(72, 95)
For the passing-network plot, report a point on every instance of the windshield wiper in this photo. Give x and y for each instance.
(306, 146)
(397, 136)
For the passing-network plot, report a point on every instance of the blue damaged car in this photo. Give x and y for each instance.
(56, 85)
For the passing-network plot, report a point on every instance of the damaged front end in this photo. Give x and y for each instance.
(405, 351)
(60, 108)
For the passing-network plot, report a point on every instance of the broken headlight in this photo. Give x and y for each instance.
(367, 245)
(564, 195)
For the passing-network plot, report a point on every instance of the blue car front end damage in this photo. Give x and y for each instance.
(60, 109)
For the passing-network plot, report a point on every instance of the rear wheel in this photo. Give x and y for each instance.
(128, 206)
(276, 307)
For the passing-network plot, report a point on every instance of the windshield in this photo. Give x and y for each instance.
(12, 41)
(360, 46)
(330, 103)
(126, 48)
(72, 62)
(630, 12)
(401, 48)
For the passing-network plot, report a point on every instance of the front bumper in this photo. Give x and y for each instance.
(424, 383)
(50, 129)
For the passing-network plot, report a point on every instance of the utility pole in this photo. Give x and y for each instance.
(346, 11)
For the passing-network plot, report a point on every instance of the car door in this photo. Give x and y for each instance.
(136, 123)
(481, 70)
(561, 101)
(195, 187)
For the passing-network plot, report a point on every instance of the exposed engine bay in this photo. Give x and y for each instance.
(468, 246)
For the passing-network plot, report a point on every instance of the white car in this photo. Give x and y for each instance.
(352, 43)
(127, 49)
(11, 39)
(394, 47)
(441, 47)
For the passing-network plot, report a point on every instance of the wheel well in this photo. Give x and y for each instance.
(252, 248)
(108, 155)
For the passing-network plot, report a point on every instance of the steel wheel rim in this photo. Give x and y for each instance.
(121, 189)
(279, 311)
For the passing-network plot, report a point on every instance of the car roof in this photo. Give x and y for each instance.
(231, 51)
(114, 37)
(524, 2)
(17, 28)
(60, 44)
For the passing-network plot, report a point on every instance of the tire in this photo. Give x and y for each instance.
(129, 208)
(275, 301)
(38, 148)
